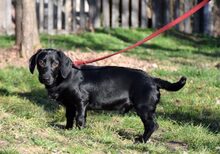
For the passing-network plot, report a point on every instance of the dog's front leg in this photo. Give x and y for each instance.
(70, 115)
(81, 115)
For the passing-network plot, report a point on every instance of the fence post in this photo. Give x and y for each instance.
(74, 15)
(144, 20)
(8, 17)
(115, 13)
(59, 15)
(181, 11)
(157, 14)
(125, 14)
(216, 18)
(106, 13)
(176, 12)
(187, 22)
(134, 13)
(208, 18)
(68, 16)
(82, 15)
(2, 16)
(196, 19)
(5, 17)
(167, 12)
(50, 17)
(41, 16)
(94, 13)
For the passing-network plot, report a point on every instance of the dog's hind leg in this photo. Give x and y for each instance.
(147, 117)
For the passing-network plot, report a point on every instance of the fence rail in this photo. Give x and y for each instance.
(72, 16)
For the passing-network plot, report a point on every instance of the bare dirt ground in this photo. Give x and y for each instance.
(10, 57)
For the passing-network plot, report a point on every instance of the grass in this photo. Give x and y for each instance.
(189, 119)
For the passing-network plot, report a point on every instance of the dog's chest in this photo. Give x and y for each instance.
(60, 95)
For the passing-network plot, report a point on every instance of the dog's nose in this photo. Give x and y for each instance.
(47, 80)
(45, 77)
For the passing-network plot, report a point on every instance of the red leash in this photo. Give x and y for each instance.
(156, 33)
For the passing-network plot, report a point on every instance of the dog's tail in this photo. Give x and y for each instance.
(163, 84)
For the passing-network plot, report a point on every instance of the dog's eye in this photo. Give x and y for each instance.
(55, 64)
(42, 63)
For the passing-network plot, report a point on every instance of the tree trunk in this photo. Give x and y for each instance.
(26, 27)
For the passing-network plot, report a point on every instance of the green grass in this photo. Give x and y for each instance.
(6, 41)
(189, 119)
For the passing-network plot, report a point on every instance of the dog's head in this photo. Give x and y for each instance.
(51, 64)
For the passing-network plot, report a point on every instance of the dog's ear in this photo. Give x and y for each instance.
(65, 64)
(33, 61)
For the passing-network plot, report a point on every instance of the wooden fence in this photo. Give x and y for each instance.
(72, 16)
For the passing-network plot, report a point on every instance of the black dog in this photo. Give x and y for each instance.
(92, 87)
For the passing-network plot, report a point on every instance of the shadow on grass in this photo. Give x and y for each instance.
(213, 124)
(215, 54)
(39, 97)
(193, 40)
(196, 40)
(68, 43)
(90, 41)
(123, 36)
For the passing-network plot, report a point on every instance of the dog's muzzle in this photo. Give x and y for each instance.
(47, 81)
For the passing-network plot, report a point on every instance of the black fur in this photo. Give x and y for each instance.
(93, 87)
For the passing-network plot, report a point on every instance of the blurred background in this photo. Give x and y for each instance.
(71, 16)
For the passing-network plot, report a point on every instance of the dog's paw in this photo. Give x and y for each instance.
(68, 127)
(139, 139)
(53, 96)
(80, 126)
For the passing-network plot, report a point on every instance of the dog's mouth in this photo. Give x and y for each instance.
(48, 83)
